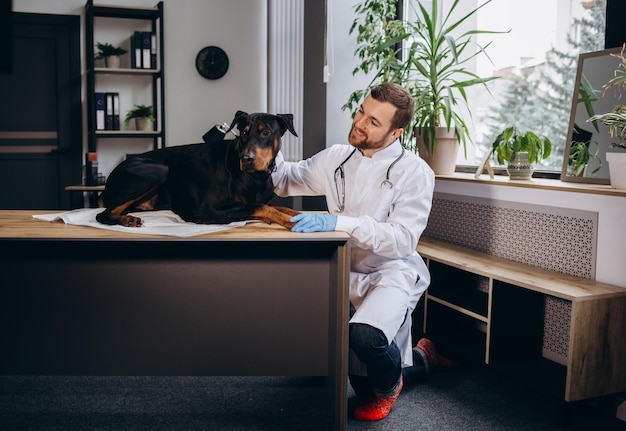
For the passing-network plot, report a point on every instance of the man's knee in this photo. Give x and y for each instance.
(364, 339)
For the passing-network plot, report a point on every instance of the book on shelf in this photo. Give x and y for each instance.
(146, 44)
(153, 52)
(91, 168)
(100, 111)
(112, 117)
(136, 48)
(108, 119)
(116, 111)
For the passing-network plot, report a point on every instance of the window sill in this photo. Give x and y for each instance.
(535, 183)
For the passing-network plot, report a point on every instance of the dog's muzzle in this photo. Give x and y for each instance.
(247, 165)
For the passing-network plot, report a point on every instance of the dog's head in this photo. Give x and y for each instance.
(259, 139)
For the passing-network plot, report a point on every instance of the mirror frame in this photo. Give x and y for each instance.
(570, 131)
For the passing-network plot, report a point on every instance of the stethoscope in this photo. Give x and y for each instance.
(385, 185)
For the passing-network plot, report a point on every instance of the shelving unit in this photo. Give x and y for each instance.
(155, 16)
(102, 77)
(492, 309)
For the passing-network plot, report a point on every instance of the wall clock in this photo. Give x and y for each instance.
(212, 62)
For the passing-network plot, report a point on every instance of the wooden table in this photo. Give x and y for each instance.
(256, 300)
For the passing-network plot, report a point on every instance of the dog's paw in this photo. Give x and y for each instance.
(130, 221)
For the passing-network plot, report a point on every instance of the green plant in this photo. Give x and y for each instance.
(586, 96)
(140, 111)
(441, 63)
(511, 141)
(427, 57)
(579, 157)
(616, 119)
(379, 37)
(108, 50)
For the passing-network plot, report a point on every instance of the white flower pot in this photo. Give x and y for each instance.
(112, 62)
(143, 124)
(617, 169)
(443, 161)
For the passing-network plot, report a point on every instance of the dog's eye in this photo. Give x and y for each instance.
(265, 133)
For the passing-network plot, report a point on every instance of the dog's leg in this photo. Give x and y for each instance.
(279, 215)
(116, 215)
(289, 211)
(131, 186)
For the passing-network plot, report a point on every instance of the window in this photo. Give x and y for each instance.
(536, 65)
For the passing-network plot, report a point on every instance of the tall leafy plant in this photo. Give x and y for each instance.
(427, 56)
(441, 62)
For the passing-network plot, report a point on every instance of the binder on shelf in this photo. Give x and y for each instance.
(136, 46)
(153, 52)
(116, 111)
(108, 118)
(100, 111)
(146, 44)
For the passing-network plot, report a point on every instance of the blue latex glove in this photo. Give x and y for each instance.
(314, 223)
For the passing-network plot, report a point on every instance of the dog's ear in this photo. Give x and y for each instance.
(240, 118)
(286, 123)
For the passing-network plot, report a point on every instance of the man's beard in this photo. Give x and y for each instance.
(364, 143)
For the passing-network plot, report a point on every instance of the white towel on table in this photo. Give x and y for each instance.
(164, 222)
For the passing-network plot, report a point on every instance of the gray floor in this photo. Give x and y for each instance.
(470, 399)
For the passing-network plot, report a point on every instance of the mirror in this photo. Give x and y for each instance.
(586, 139)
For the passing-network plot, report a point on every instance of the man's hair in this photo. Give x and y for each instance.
(399, 97)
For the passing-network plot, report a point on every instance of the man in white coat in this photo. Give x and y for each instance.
(380, 194)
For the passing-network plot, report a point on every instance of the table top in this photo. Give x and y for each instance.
(20, 224)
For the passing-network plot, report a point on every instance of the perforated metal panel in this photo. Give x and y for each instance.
(556, 328)
(560, 239)
(555, 238)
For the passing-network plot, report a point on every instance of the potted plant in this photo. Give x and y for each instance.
(110, 54)
(579, 157)
(616, 121)
(520, 150)
(441, 64)
(432, 66)
(143, 115)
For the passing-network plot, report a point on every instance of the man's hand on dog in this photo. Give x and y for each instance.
(314, 223)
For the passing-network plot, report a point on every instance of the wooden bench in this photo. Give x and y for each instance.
(485, 304)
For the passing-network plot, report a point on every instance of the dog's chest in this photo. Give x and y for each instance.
(257, 189)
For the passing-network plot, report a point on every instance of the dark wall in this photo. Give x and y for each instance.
(6, 31)
(615, 28)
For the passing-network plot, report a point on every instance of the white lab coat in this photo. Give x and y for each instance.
(387, 276)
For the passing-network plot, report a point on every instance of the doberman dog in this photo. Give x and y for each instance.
(210, 183)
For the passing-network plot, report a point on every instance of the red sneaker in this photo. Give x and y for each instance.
(378, 408)
(436, 361)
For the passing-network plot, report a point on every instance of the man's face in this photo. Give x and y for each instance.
(371, 127)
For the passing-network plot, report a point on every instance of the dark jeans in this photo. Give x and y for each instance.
(383, 362)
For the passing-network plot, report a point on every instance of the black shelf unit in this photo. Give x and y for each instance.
(155, 16)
